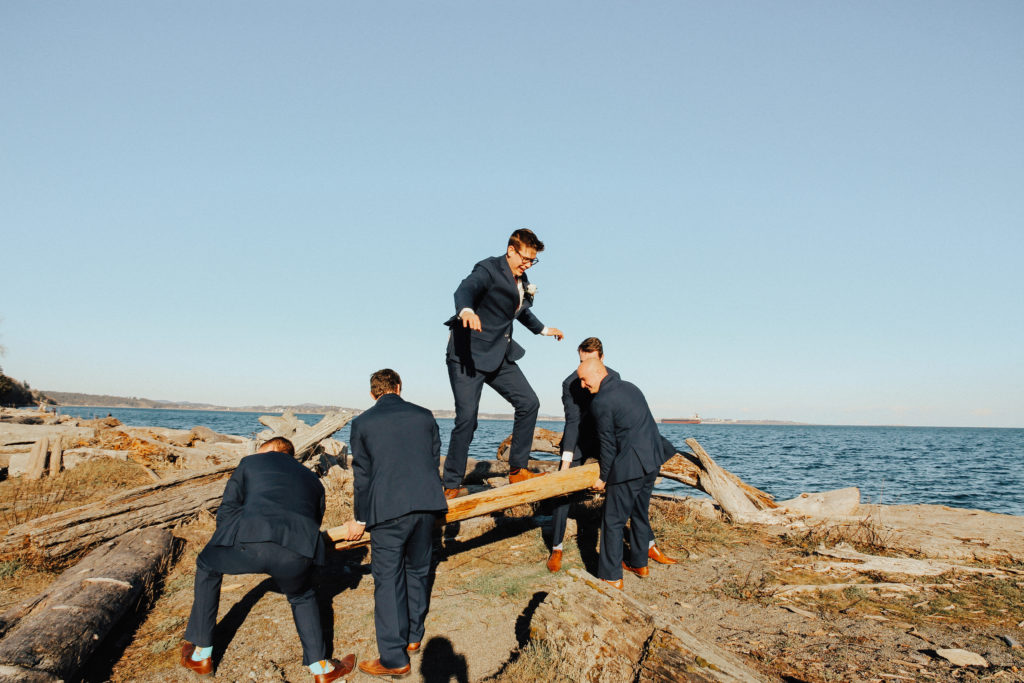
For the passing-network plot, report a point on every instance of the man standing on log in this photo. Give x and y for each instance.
(580, 442)
(396, 456)
(632, 451)
(481, 351)
(268, 523)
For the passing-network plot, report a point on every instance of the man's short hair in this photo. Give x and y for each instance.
(525, 238)
(384, 381)
(591, 344)
(278, 444)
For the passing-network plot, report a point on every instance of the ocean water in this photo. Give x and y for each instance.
(959, 467)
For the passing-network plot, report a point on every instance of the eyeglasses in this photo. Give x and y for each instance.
(531, 261)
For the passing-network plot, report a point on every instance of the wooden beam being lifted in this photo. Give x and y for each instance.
(500, 498)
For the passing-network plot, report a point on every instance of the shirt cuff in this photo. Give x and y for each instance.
(465, 310)
(566, 456)
(358, 522)
(545, 330)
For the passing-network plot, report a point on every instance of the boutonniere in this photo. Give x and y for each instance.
(531, 290)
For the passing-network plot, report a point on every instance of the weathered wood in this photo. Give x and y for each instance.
(58, 630)
(501, 498)
(544, 441)
(162, 504)
(720, 486)
(676, 654)
(599, 633)
(56, 456)
(302, 436)
(37, 461)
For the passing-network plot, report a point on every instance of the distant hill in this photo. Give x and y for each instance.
(18, 393)
(70, 398)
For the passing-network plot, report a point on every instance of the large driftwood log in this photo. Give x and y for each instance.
(302, 436)
(56, 632)
(501, 498)
(66, 533)
(599, 633)
(720, 486)
(544, 441)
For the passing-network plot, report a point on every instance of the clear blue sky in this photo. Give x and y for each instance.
(802, 211)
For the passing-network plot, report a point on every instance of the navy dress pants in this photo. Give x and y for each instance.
(560, 512)
(467, 385)
(400, 564)
(628, 500)
(291, 572)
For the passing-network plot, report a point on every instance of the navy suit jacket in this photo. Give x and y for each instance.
(631, 445)
(580, 429)
(396, 459)
(490, 290)
(272, 497)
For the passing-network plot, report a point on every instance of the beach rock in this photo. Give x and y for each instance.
(959, 657)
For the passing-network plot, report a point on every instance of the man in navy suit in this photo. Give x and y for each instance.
(396, 457)
(580, 443)
(632, 451)
(481, 351)
(268, 522)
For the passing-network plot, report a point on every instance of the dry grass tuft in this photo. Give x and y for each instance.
(865, 535)
(535, 662)
(23, 499)
(680, 527)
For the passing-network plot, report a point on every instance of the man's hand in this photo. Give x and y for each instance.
(598, 485)
(471, 320)
(556, 333)
(353, 530)
(566, 464)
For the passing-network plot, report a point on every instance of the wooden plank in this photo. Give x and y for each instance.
(56, 456)
(500, 498)
(37, 461)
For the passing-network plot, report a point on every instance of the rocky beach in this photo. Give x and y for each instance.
(819, 588)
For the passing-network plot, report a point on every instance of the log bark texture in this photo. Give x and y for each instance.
(69, 532)
(56, 632)
(599, 633)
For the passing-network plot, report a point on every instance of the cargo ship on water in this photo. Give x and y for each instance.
(695, 420)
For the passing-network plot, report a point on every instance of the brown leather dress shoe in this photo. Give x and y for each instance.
(555, 561)
(375, 668)
(522, 475)
(412, 647)
(202, 668)
(454, 493)
(340, 670)
(642, 572)
(614, 584)
(655, 554)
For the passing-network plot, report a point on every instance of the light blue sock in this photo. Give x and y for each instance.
(201, 653)
(321, 667)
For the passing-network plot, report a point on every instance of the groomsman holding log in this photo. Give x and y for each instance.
(632, 451)
(580, 443)
(396, 456)
(481, 351)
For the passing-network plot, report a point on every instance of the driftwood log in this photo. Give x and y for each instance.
(37, 461)
(64, 534)
(598, 633)
(56, 456)
(500, 498)
(740, 501)
(302, 436)
(51, 636)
